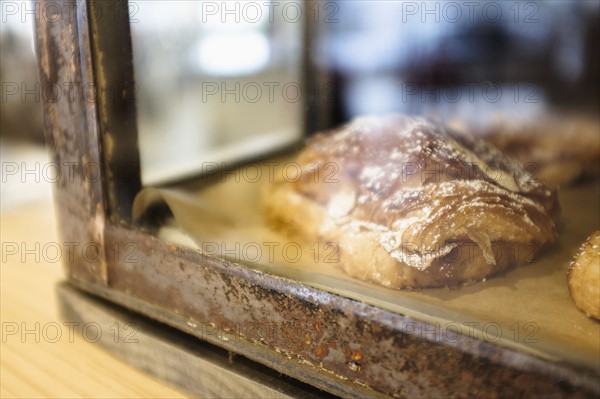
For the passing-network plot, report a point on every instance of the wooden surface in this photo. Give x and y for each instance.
(49, 364)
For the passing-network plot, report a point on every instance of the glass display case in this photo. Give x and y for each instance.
(197, 107)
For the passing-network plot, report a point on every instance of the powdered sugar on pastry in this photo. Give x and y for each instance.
(408, 196)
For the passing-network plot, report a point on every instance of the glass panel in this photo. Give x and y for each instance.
(217, 82)
(457, 57)
(469, 61)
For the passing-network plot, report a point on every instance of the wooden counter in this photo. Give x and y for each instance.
(38, 357)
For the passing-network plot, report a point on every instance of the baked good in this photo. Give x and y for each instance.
(584, 277)
(558, 149)
(411, 205)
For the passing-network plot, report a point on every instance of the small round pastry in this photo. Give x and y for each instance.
(584, 277)
(410, 205)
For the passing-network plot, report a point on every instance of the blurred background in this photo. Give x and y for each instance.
(412, 57)
(212, 81)
(218, 82)
(21, 135)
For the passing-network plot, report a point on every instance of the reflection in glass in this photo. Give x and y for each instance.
(216, 83)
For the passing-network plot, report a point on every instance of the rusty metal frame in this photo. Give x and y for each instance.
(337, 344)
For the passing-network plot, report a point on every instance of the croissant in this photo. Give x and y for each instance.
(409, 204)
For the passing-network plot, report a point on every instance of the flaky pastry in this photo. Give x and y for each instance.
(584, 277)
(411, 205)
(559, 149)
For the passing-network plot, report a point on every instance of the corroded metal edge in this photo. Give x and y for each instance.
(199, 368)
(109, 49)
(71, 132)
(335, 343)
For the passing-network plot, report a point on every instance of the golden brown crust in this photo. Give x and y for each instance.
(584, 277)
(558, 149)
(410, 205)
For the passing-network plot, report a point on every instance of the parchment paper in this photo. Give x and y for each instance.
(527, 308)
